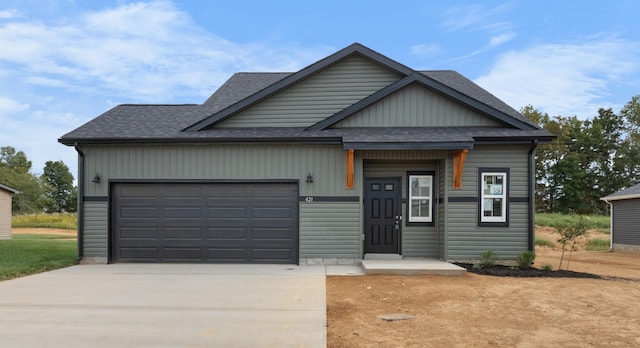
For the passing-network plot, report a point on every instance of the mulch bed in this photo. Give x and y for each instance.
(508, 271)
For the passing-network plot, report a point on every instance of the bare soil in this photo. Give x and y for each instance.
(489, 311)
(56, 231)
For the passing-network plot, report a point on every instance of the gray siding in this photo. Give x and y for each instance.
(513, 157)
(330, 230)
(626, 222)
(441, 223)
(419, 107)
(417, 241)
(208, 162)
(95, 239)
(464, 238)
(318, 97)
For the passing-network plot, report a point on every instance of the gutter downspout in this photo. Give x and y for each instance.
(80, 202)
(532, 192)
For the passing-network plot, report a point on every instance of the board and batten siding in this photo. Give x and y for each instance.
(417, 240)
(419, 107)
(330, 230)
(317, 97)
(5, 214)
(626, 222)
(326, 163)
(464, 238)
(220, 162)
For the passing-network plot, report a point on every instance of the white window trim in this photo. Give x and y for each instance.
(430, 198)
(503, 196)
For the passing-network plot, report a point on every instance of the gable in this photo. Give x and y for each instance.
(318, 96)
(416, 106)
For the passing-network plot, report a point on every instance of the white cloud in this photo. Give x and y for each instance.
(474, 17)
(425, 50)
(148, 52)
(9, 14)
(10, 106)
(562, 78)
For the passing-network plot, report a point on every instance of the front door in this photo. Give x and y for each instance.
(382, 215)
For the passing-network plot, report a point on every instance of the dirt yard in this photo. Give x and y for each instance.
(56, 231)
(488, 311)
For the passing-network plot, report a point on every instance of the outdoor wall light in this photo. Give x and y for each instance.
(309, 178)
(96, 179)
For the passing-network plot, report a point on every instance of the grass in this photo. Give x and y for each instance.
(597, 244)
(597, 222)
(26, 254)
(544, 242)
(67, 221)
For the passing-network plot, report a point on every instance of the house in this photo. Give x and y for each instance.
(625, 218)
(6, 193)
(353, 156)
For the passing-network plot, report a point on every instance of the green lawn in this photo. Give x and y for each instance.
(599, 222)
(26, 254)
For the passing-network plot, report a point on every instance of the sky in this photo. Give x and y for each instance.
(64, 62)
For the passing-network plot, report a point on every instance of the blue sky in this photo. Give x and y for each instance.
(64, 62)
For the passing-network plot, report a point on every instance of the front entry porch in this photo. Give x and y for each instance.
(411, 266)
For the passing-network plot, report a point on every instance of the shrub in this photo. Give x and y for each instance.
(597, 244)
(547, 267)
(526, 259)
(544, 242)
(488, 258)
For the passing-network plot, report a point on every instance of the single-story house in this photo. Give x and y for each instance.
(6, 194)
(354, 156)
(625, 218)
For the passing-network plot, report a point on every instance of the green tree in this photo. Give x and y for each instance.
(58, 187)
(14, 171)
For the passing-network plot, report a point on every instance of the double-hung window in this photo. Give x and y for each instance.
(493, 196)
(420, 198)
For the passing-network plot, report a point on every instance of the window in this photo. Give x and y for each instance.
(493, 196)
(420, 198)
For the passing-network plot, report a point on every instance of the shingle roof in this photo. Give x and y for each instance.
(628, 193)
(150, 123)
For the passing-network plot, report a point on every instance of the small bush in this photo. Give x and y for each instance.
(544, 242)
(597, 244)
(547, 267)
(526, 259)
(488, 258)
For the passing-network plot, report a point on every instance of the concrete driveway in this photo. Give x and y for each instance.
(140, 305)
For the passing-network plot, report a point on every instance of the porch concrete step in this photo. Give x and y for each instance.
(412, 267)
(382, 256)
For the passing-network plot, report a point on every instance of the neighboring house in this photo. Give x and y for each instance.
(625, 218)
(6, 193)
(353, 156)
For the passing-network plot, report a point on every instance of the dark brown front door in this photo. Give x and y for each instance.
(382, 215)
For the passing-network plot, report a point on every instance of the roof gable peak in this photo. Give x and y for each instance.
(353, 49)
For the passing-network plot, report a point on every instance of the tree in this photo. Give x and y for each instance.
(58, 187)
(14, 171)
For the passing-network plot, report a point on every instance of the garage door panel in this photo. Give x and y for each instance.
(182, 254)
(227, 213)
(216, 222)
(194, 233)
(139, 233)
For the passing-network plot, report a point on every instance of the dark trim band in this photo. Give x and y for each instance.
(96, 198)
(314, 199)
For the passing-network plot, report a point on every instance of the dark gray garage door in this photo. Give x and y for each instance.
(214, 223)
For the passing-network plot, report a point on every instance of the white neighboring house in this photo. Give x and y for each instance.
(6, 193)
(625, 218)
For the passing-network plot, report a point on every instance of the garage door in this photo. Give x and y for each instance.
(210, 223)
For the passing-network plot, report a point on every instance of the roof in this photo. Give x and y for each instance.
(9, 189)
(196, 122)
(628, 193)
